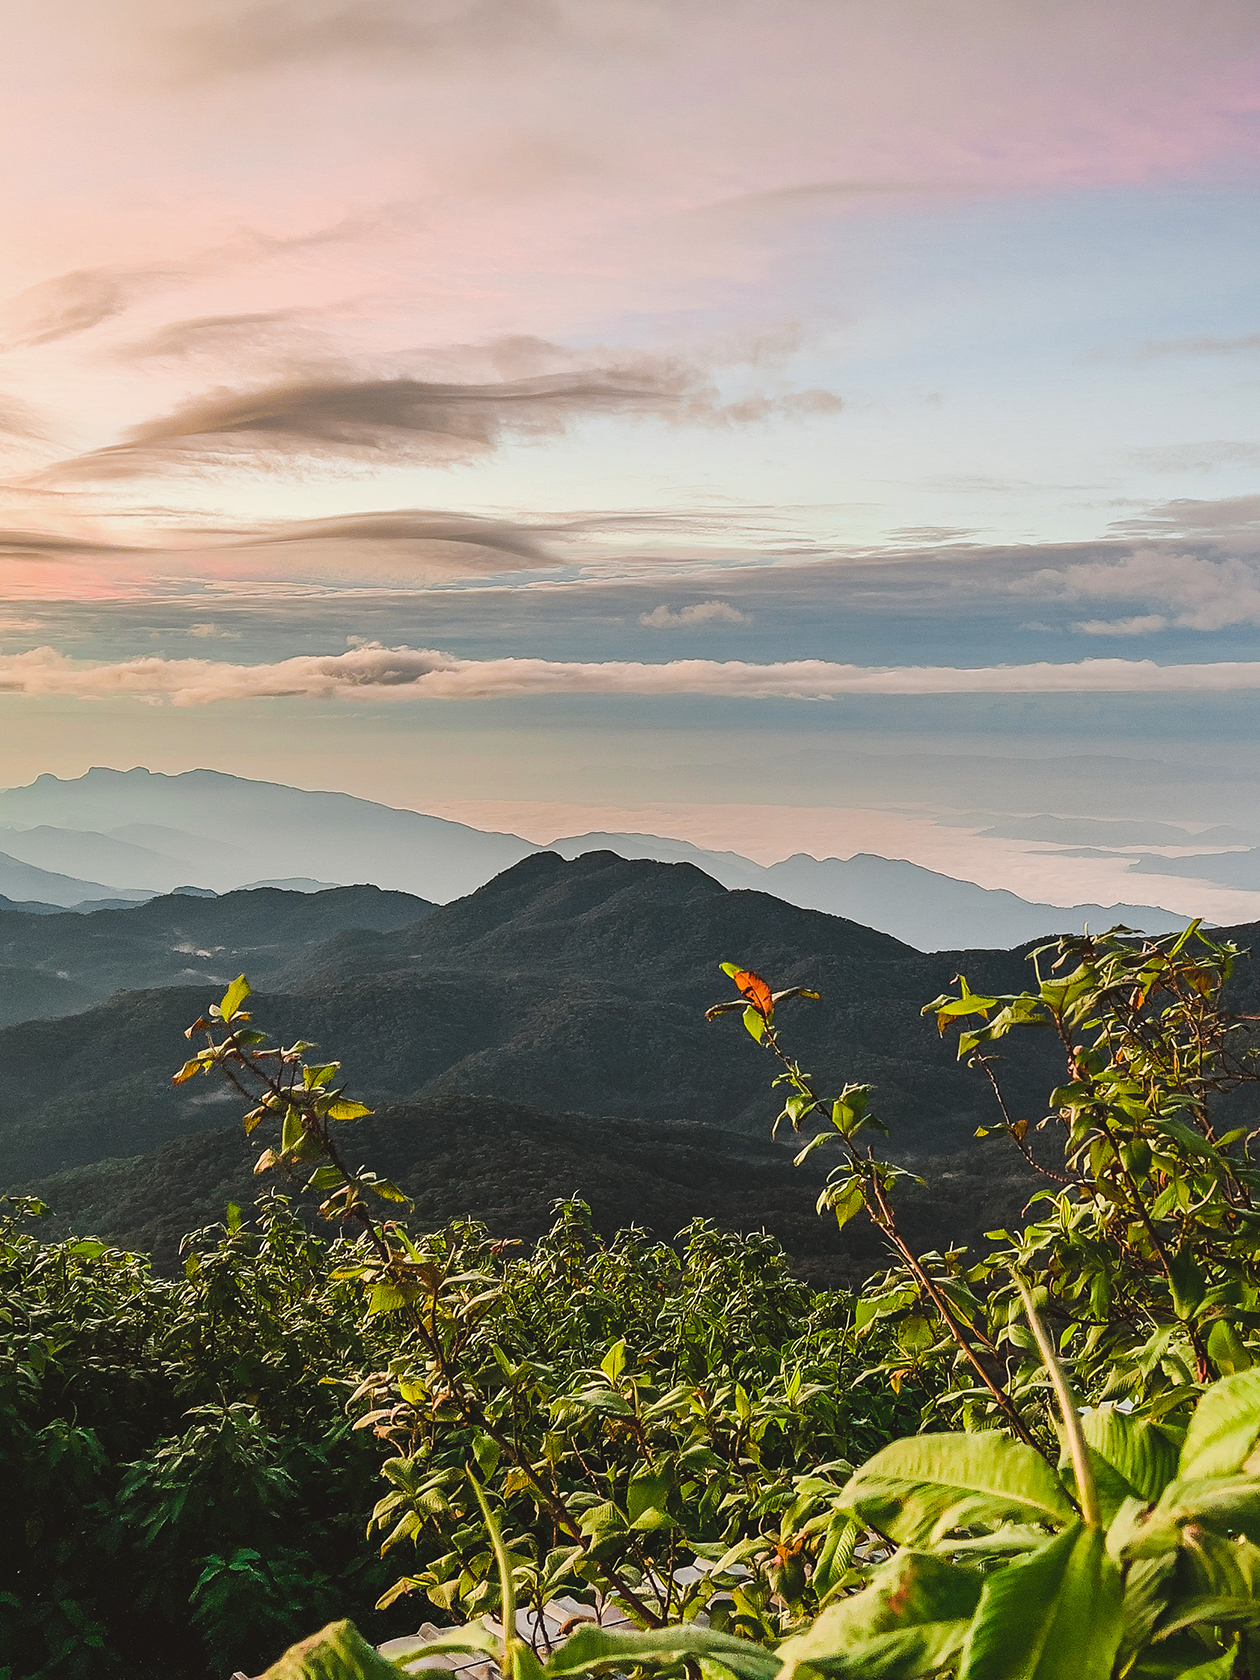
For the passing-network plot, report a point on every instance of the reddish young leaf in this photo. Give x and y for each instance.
(755, 990)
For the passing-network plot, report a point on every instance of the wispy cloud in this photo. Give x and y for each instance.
(437, 421)
(1197, 457)
(75, 302)
(378, 673)
(1199, 344)
(253, 38)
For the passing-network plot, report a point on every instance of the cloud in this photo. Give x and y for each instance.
(703, 612)
(1198, 592)
(1145, 624)
(217, 335)
(1201, 344)
(1197, 457)
(375, 673)
(73, 303)
(1235, 517)
(434, 420)
(253, 38)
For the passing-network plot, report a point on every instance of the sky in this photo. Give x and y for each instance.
(821, 426)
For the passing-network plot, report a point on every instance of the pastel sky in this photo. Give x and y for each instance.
(796, 426)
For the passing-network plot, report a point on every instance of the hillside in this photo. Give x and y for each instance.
(507, 1165)
(57, 964)
(542, 1037)
(564, 987)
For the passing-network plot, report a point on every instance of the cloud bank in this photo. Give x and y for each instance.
(378, 673)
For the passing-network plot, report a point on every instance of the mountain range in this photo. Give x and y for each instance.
(541, 1036)
(158, 833)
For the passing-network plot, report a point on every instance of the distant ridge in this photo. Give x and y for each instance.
(930, 911)
(207, 829)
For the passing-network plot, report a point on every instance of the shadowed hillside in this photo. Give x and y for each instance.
(56, 964)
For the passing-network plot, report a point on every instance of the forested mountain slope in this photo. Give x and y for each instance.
(543, 1036)
(53, 965)
(566, 987)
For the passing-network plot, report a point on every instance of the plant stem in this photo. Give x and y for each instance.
(1086, 1492)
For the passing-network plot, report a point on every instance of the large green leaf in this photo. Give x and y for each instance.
(1224, 1427)
(1147, 1586)
(1224, 1503)
(1054, 1615)
(472, 1639)
(904, 1655)
(915, 1607)
(593, 1648)
(1130, 1458)
(918, 1489)
(1181, 1658)
(337, 1652)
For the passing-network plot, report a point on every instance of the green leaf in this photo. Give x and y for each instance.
(89, 1249)
(1131, 1458)
(1224, 1427)
(647, 1491)
(755, 1022)
(337, 1652)
(917, 1490)
(603, 1400)
(474, 1638)
(233, 998)
(594, 1648)
(486, 1451)
(835, 1556)
(348, 1110)
(1224, 1503)
(1053, 1615)
(1227, 1350)
(387, 1190)
(614, 1361)
(846, 1199)
(911, 1618)
(1186, 1279)
(386, 1297)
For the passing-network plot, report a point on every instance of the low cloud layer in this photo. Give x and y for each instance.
(378, 673)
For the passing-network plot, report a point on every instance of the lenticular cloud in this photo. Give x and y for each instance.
(379, 673)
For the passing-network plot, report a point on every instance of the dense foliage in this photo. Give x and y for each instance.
(192, 1490)
(1144, 1252)
(679, 1431)
(181, 1493)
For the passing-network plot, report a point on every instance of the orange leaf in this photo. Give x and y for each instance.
(755, 990)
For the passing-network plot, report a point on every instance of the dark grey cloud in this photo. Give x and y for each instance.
(519, 543)
(399, 527)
